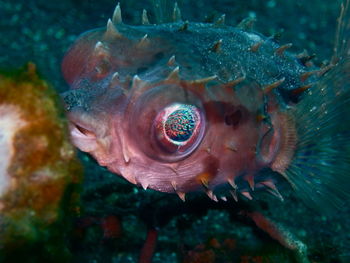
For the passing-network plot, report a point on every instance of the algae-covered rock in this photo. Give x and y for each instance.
(39, 172)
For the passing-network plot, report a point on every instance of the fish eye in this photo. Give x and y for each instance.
(167, 122)
(177, 128)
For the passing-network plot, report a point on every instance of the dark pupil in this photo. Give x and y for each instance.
(180, 125)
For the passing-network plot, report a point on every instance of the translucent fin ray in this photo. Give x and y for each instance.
(320, 170)
(342, 40)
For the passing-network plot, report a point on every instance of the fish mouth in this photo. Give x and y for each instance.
(78, 130)
(82, 138)
(82, 131)
(78, 127)
(89, 135)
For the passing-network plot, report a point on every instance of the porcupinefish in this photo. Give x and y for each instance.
(183, 106)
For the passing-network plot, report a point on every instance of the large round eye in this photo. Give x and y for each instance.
(167, 122)
(177, 128)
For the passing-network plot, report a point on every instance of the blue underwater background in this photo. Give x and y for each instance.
(115, 215)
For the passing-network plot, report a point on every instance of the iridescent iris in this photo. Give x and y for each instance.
(180, 124)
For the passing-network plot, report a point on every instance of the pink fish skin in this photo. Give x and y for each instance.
(181, 107)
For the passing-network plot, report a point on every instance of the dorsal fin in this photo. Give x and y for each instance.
(163, 10)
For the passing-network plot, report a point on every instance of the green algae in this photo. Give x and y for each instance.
(42, 174)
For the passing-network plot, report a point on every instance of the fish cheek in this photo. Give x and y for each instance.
(142, 129)
(211, 168)
(226, 113)
(235, 116)
(232, 137)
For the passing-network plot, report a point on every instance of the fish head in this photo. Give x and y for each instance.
(159, 120)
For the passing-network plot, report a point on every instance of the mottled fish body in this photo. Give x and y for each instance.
(180, 107)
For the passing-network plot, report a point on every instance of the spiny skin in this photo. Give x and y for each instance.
(124, 76)
(193, 49)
